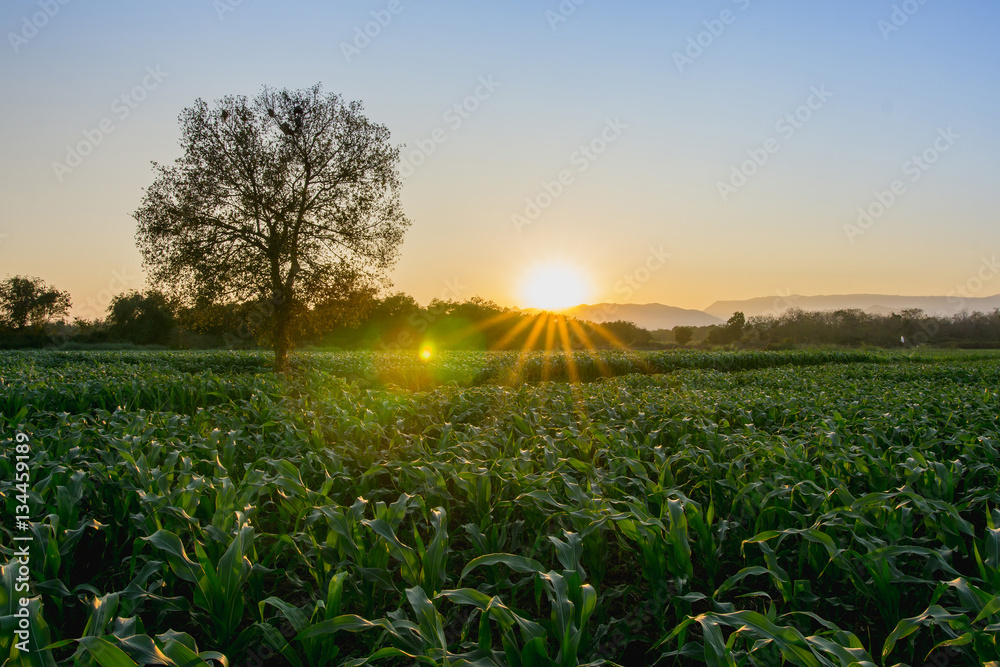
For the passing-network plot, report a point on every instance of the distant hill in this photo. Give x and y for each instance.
(873, 303)
(654, 316)
(650, 316)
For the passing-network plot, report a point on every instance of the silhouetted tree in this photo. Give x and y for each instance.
(346, 311)
(731, 332)
(28, 302)
(735, 325)
(683, 335)
(628, 332)
(394, 307)
(472, 324)
(908, 323)
(716, 335)
(145, 319)
(277, 200)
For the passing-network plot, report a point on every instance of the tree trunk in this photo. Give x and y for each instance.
(282, 340)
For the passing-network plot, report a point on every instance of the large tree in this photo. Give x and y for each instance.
(26, 301)
(280, 200)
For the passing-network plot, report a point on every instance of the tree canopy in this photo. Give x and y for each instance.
(27, 302)
(281, 200)
(144, 319)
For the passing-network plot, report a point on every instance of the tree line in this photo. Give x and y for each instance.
(847, 327)
(356, 320)
(35, 314)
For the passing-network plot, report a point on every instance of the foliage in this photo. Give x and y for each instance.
(732, 332)
(28, 302)
(281, 200)
(683, 335)
(628, 333)
(737, 508)
(856, 327)
(143, 319)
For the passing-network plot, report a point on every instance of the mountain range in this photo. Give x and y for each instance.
(646, 315)
(882, 304)
(659, 316)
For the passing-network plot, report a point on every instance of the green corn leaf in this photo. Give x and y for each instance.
(907, 626)
(106, 653)
(430, 621)
(177, 557)
(516, 563)
(347, 622)
(401, 552)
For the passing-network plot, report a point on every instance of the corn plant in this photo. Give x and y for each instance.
(217, 590)
(811, 506)
(23, 626)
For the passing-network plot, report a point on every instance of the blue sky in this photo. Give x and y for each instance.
(555, 85)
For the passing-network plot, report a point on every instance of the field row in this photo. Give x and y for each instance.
(182, 381)
(821, 513)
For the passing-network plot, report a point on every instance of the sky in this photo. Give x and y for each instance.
(673, 152)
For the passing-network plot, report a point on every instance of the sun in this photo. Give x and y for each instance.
(554, 287)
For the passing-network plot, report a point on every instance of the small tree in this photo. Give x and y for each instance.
(731, 332)
(277, 200)
(908, 323)
(146, 319)
(628, 333)
(683, 335)
(717, 335)
(28, 302)
(735, 326)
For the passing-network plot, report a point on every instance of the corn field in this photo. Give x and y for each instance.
(811, 508)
